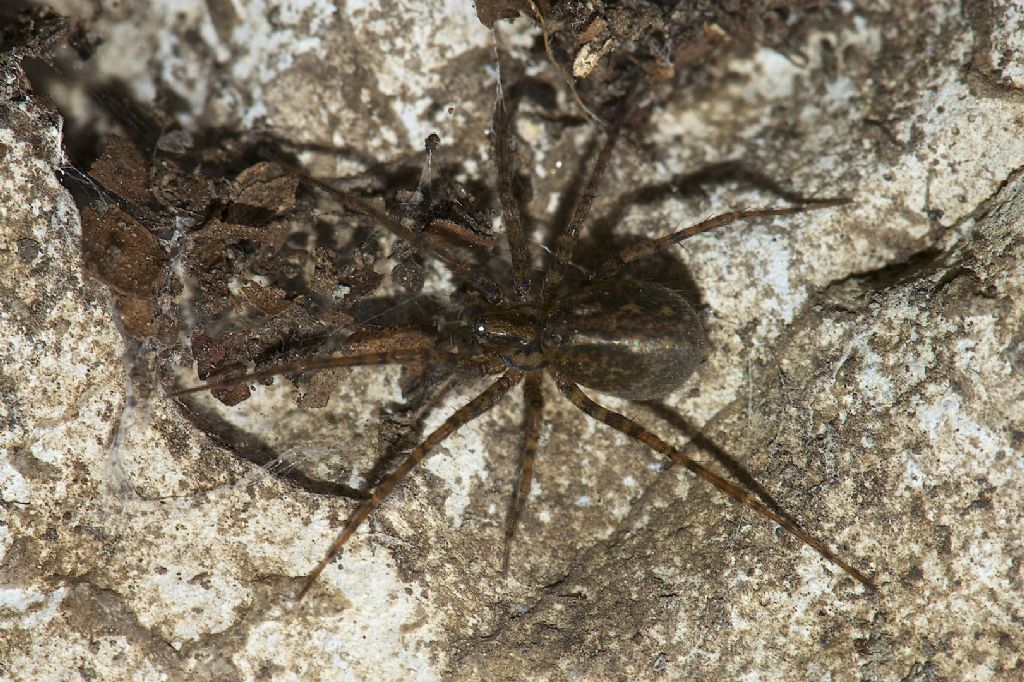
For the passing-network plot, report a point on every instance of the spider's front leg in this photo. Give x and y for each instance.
(395, 345)
(504, 115)
(566, 245)
(648, 247)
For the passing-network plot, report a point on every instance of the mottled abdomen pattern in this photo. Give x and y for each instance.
(636, 340)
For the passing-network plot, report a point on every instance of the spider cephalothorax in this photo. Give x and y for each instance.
(633, 339)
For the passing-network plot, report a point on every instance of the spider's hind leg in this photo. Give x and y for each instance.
(705, 444)
(638, 433)
(468, 412)
(534, 398)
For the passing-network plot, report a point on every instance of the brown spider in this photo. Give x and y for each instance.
(635, 340)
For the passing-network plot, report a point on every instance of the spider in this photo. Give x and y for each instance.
(631, 339)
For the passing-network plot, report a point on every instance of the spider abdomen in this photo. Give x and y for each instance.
(636, 340)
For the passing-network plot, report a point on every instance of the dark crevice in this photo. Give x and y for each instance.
(919, 265)
(929, 263)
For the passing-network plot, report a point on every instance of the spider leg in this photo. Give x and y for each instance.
(471, 410)
(390, 357)
(475, 278)
(709, 446)
(534, 408)
(455, 232)
(413, 411)
(502, 125)
(638, 433)
(566, 245)
(650, 246)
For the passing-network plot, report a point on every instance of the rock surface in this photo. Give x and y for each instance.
(866, 367)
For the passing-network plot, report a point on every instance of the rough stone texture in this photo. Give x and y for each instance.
(866, 368)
